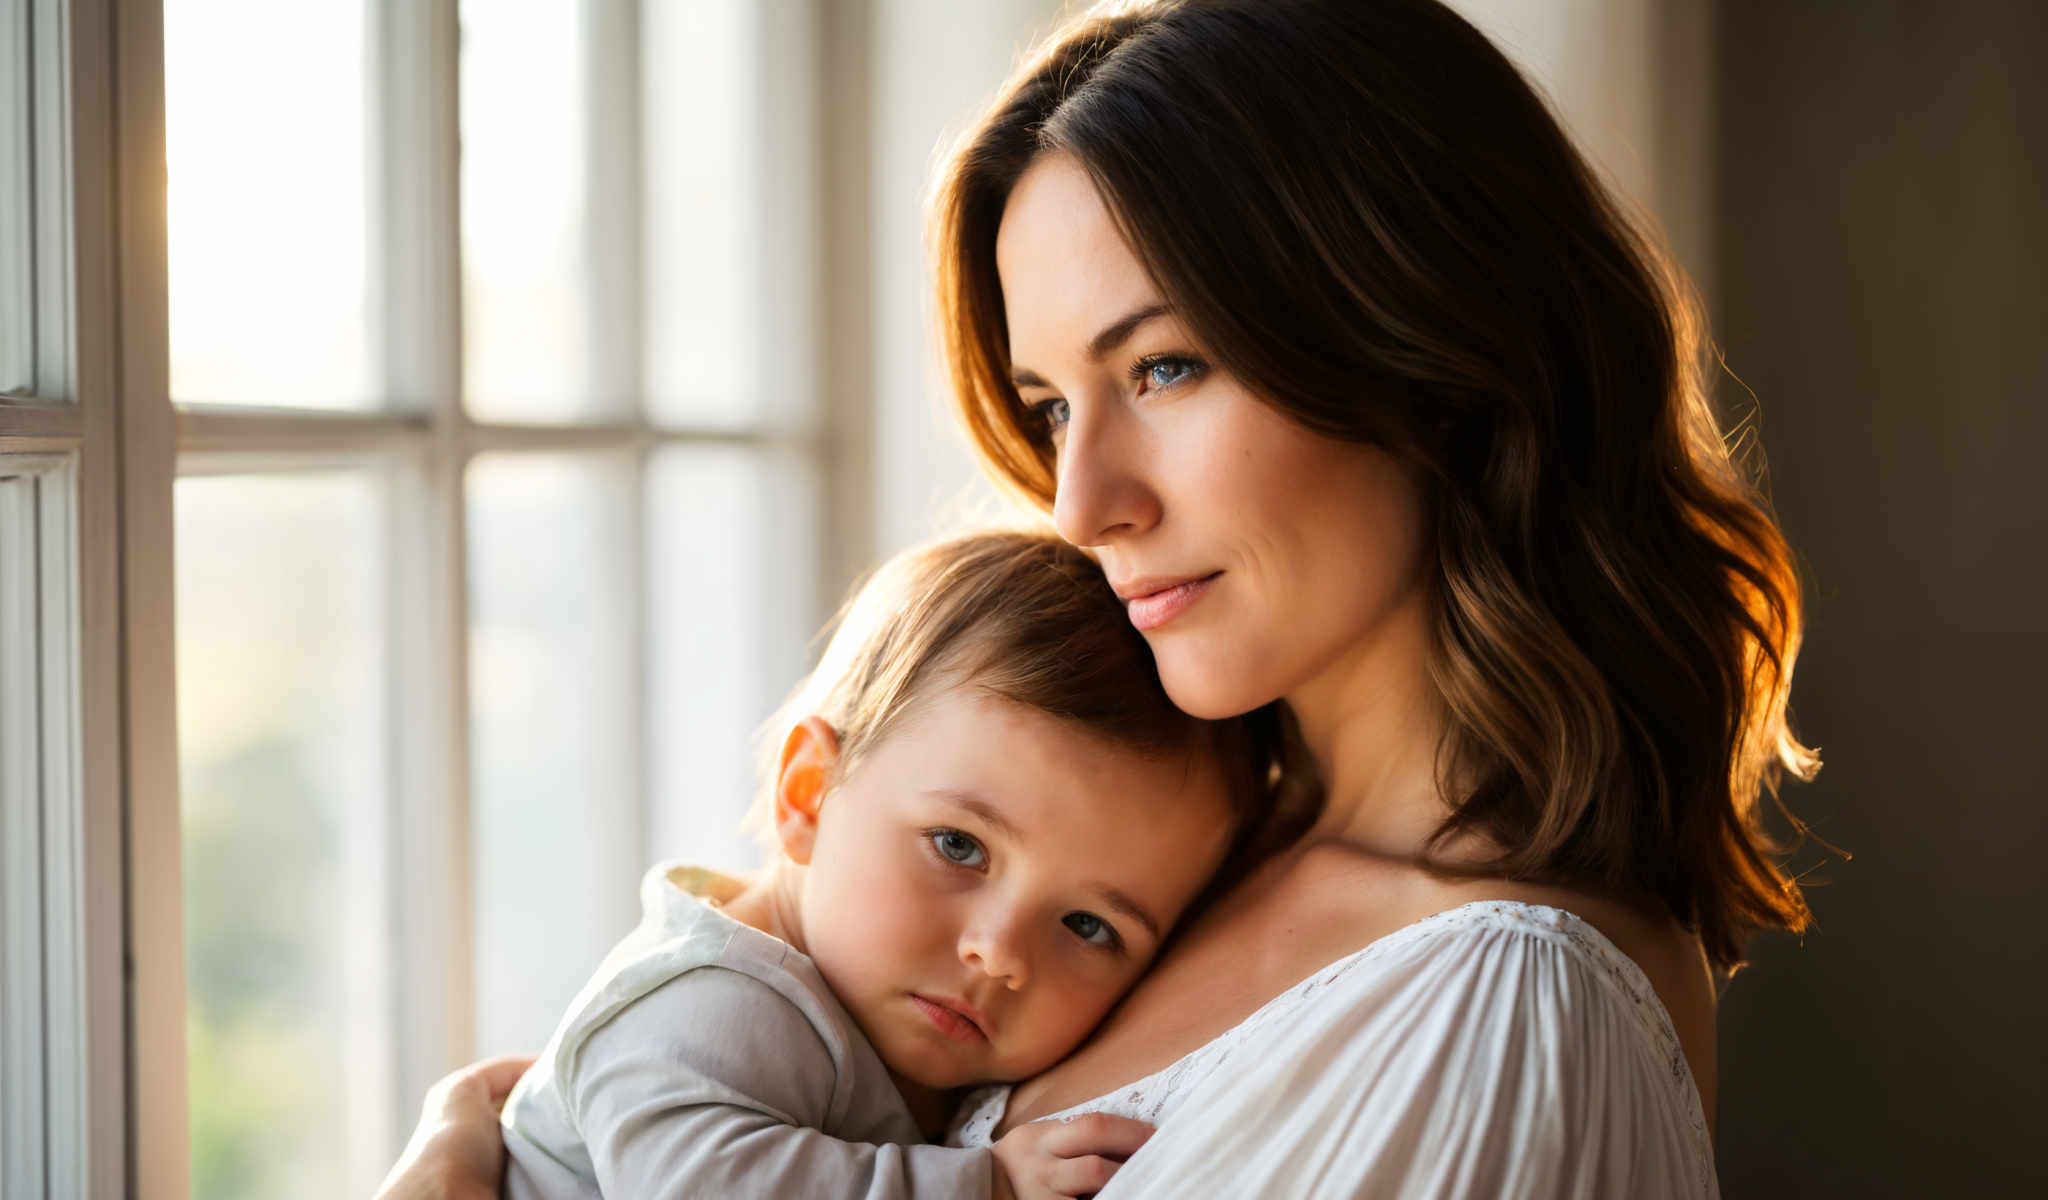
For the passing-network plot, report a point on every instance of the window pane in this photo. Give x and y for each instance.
(731, 200)
(284, 775)
(17, 156)
(526, 268)
(556, 849)
(265, 115)
(701, 172)
(733, 582)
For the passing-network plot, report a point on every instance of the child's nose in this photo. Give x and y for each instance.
(995, 945)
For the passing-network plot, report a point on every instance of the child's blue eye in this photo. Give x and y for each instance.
(1090, 928)
(956, 847)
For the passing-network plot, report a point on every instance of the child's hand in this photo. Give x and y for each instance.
(1065, 1158)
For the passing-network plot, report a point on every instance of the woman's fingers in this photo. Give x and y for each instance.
(480, 1084)
(498, 1075)
(1097, 1133)
(456, 1152)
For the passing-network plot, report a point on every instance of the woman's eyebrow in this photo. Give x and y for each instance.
(1114, 334)
(1118, 331)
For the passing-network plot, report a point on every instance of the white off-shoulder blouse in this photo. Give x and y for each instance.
(1495, 1049)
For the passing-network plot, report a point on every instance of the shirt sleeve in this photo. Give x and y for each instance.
(1491, 1063)
(715, 1085)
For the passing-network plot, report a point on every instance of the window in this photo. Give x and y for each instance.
(470, 625)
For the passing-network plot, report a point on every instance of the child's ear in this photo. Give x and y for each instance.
(809, 754)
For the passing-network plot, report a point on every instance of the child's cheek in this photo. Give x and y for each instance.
(885, 896)
(1067, 1010)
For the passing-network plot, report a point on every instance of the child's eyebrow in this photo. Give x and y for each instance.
(1112, 897)
(1127, 906)
(979, 807)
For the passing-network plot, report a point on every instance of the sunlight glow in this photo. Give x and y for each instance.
(525, 251)
(265, 115)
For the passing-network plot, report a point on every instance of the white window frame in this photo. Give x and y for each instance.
(58, 439)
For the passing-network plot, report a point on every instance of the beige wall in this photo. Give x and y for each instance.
(930, 66)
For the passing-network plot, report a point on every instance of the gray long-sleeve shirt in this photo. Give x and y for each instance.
(706, 1058)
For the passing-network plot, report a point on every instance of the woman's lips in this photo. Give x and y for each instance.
(949, 1021)
(1154, 608)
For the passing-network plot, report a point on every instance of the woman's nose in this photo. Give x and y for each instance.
(1102, 491)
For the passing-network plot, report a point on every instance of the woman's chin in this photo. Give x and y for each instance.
(1199, 687)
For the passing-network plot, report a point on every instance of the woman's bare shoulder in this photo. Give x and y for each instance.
(1670, 957)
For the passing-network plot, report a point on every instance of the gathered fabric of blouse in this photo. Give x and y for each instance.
(1495, 1049)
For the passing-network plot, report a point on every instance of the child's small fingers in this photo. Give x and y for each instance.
(1082, 1176)
(1098, 1133)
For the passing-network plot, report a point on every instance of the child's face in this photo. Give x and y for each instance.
(990, 879)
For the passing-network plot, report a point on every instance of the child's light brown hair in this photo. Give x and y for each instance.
(1023, 616)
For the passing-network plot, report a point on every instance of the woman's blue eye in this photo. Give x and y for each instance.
(1164, 370)
(1052, 415)
(1090, 928)
(955, 846)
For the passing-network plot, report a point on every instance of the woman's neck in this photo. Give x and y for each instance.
(1373, 721)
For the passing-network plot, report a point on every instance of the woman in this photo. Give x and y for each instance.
(1308, 320)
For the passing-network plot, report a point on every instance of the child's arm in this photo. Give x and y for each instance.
(716, 1085)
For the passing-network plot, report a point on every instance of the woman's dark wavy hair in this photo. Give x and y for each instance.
(1367, 215)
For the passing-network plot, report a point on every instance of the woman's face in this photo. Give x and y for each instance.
(1256, 557)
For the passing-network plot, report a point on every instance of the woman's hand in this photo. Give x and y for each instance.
(1061, 1158)
(456, 1152)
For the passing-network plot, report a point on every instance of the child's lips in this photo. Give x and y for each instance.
(955, 1018)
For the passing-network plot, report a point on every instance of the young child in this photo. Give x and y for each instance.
(988, 817)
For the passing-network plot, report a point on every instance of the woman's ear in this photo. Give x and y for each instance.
(809, 754)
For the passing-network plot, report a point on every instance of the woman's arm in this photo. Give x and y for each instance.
(456, 1151)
